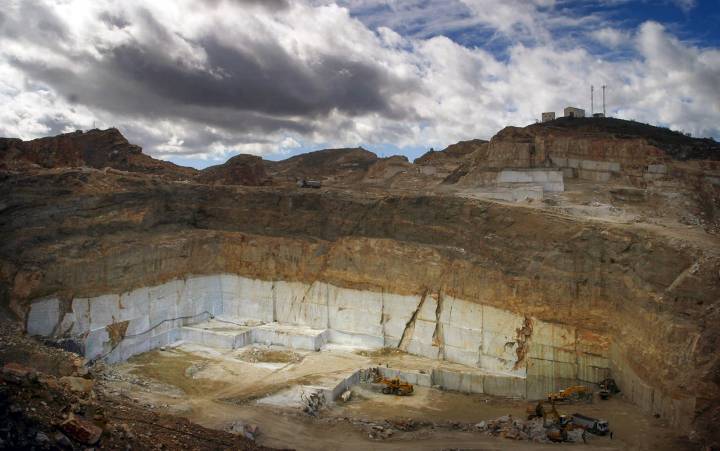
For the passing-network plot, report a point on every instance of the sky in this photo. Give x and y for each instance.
(198, 81)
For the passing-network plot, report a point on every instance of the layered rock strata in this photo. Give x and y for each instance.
(635, 301)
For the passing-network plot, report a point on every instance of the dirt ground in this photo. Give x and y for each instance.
(217, 388)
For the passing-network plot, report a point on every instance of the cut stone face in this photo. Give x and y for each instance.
(308, 317)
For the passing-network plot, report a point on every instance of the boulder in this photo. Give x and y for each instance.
(81, 430)
(77, 384)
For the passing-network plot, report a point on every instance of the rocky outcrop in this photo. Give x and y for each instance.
(674, 144)
(248, 170)
(348, 165)
(94, 148)
(457, 151)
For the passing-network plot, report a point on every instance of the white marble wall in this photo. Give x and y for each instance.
(444, 327)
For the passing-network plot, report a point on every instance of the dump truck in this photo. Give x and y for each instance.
(574, 393)
(305, 183)
(395, 386)
(592, 425)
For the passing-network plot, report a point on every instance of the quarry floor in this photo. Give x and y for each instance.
(260, 385)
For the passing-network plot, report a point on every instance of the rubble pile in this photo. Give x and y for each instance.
(534, 430)
(62, 407)
(247, 430)
(505, 426)
(514, 428)
(313, 402)
(268, 355)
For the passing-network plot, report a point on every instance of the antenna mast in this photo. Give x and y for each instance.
(604, 114)
(592, 100)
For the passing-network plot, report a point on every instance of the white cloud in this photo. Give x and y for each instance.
(611, 37)
(685, 5)
(386, 88)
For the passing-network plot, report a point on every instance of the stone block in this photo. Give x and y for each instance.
(657, 169)
(66, 325)
(428, 311)
(512, 387)
(355, 320)
(397, 311)
(496, 364)
(424, 331)
(465, 382)
(247, 298)
(43, 317)
(95, 343)
(595, 176)
(592, 368)
(540, 351)
(422, 349)
(553, 187)
(556, 335)
(462, 313)
(103, 310)
(134, 304)
(499, 333)
(140, 325)
(559, 161)
(469, 357)
(271, 334)
(349, 298)
(353, 339)
(164, 339)
(293, 304)
(130, 347)
(460, 337)
(81, 310)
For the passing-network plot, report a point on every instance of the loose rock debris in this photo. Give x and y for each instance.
(268, 355)
(58, 406)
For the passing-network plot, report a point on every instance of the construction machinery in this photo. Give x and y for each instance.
(608, 387)
(559, 425)
(395, 386)
(573, 393)
(540, 410)
(592, 425)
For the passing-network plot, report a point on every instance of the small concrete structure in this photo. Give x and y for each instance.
(548, 116)
(571, 111)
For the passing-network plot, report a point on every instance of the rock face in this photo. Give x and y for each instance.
(330, 164)
(638, 299)
(95, 148)
(455, 151)
(246, 170)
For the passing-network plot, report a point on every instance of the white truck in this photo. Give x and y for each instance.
(592, 425)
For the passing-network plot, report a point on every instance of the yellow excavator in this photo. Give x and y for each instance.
(574, 393)
(559, 424)
(395, 386)
(540, 410)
